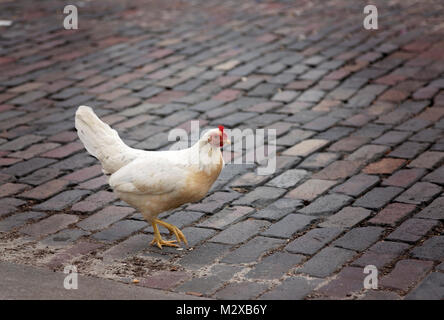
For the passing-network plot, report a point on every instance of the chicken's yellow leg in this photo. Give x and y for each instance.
(158, 239)
(174, 230)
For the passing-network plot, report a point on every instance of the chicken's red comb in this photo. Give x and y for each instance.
(221, 128)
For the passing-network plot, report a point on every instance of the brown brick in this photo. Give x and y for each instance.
(412, 230)
(392, 214)
(45, 190)
(94, 201)
(348, 144)
(404, 178)
(406, 274)
(310, 189)
(306, 147)
(338, 170)
(9, 188)
(64, 151)
(50, 225)
(84, 174)
(384, 166)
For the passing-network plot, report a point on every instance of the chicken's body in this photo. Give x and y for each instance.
(152, 181)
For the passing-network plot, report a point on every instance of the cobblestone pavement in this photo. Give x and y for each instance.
(360, 148)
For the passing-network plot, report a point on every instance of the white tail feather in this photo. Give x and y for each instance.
(102, 142)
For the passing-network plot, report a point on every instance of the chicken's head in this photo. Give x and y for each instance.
(217, 137)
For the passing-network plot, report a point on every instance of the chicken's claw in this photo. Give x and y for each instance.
(173, 230)
(160, 242)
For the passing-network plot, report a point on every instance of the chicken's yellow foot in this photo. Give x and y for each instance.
(173, 230)
(158, 239)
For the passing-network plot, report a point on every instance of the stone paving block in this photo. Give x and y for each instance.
(8, 205)
(278, 209)
(367, 153)
(392, 138)
(346, 218)
(436, 176)
(218, 275)
(45, 190)
(357, 185)
(406, 274)
(310, 189)
(404, 178)
(260, 196)
(412, 230)
(50, 225)
(214, 202)
(40, 176)
(204, 255)
(288, 179)
(240, 231)
(25, 167)
(377, 197)
(249, 179)
(294, 288)
(427, 160)
(359, 239)
(275, 265)
(318, 160)
(62, 200)
(294, 136)
(408, 150)
(321, 123)
(339, 169)
(9, 189)
(80, 248)
(381, 254)
(21, 142)
(252, 250)
(164, 279)
(433, 210)
(384, 166)
(326, 262)
(225, 217)
(64, 237)
(419, 193)
(392, 214)
(348, 280)
(241, 291)
(288, 226)
(429, 289)
(313, 240)
(196, 235)
(128, 247)
(431, 249)
(94, 202)
(19, 219)
(327, 204)
(104, 218)
(119, 230)
(306, 147)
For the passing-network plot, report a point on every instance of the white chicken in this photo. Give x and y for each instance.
(153, 181)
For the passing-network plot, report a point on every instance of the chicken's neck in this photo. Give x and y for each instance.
(205, 155)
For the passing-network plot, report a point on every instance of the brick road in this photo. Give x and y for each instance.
(360, 148)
